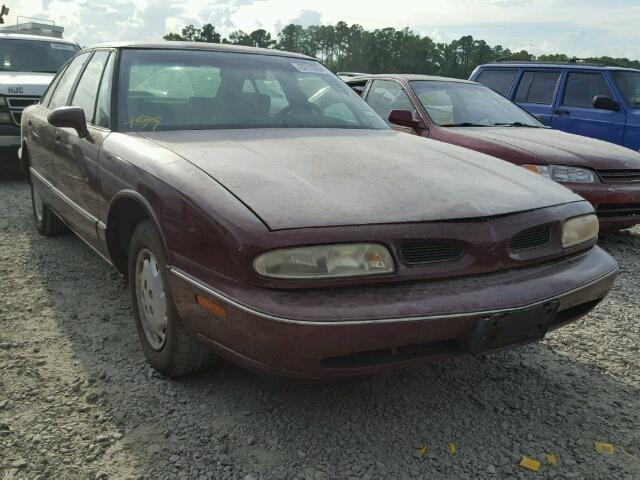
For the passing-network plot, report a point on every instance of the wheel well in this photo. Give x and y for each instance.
(125, 214)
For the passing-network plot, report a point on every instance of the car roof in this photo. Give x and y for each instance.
(39, 38)
(555, 65)
(217, 47)
(408, 77)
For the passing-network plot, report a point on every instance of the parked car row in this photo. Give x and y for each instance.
(473, 116)
(265, 213)
(597, 101)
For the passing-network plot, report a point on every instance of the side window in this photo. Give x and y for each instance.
(103, 106)
(497, 80)
(87, 89)
(582, 87)
(52, 86)
(358, 87)
(385, 95)
(537, 87)
(60, 95)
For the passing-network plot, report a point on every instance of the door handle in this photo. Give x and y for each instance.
(562, 112)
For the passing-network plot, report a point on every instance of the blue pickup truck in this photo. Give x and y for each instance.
(593, 100)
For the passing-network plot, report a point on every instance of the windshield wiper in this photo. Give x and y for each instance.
(515, 124)
(465, 124)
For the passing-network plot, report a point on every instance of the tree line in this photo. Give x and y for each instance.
(343, 47)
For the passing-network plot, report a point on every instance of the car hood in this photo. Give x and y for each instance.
(556, 147)
(24, 83)
(297, 178)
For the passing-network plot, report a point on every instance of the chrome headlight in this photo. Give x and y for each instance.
(325, 261)
(579, 230)
(564, 174)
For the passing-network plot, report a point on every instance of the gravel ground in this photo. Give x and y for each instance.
(77, 399)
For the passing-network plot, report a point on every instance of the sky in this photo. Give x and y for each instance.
(578, 28)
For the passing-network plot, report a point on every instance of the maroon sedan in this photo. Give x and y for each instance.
(473, 116)
(263, 213)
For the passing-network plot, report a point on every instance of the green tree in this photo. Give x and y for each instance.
(343, 47)
(261, 38)
(239, 37)
(208, 34)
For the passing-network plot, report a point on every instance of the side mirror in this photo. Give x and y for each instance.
(604, 102)
(69, 117)
(404, 118)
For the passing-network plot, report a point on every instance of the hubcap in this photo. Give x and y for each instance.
(152, 302)
(38, 204)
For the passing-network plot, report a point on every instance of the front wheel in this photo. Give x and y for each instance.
(46, 222)
(166, 344)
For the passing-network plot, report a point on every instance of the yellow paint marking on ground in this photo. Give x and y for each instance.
(551, 459)
(452, 448)
(602, 447)
(530, 464)
(423, 449)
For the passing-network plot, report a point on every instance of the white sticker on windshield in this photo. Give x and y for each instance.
(311, 67)
(62, 46)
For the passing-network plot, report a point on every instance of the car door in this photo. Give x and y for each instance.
(536, 93)
(575, 112)
(39, 133)
(386, 95)
(75, 159)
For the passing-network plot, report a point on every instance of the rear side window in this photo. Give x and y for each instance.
(582, 87)
(87, 89)
(60, 95)
(537, 87)
(358, 87)
(497, 80)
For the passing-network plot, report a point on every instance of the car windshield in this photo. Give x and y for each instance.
(19, 55)
(452, 104)
(187, 90)
(629, 85)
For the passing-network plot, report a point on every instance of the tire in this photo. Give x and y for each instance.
(46, 222)
(165, 343)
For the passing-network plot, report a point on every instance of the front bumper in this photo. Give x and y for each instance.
(353, 331)
(617, 206)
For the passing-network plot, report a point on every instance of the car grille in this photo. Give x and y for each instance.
(418, 252)
(531, 238)
(17, 104)
(620, 176)
(607, 210)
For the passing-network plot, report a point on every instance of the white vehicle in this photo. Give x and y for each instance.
(28, 63)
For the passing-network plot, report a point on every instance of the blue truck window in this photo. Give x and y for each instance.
(497, 80)
(582, 87)
(537, 87)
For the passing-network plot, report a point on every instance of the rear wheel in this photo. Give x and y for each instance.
(166, 344)
(46, 222)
